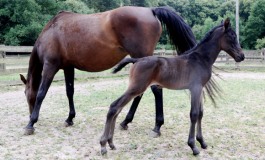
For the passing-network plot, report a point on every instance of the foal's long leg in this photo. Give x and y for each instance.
(47, 76)
(159, 110)
(199, 136)
(194, 115)
(69, 74)
(130, 114)
(114, 110)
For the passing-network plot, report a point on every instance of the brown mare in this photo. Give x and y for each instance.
(189, 71)
(97, 42)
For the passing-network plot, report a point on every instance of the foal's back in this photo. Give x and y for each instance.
(96, 42)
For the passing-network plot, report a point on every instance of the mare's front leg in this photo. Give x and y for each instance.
(194, 115)
(114, 110)
(199, 136)
(69, 74)
(49, 70)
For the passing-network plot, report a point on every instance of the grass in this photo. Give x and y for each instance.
(233, 130)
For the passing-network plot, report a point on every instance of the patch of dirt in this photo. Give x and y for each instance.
(248, 75)
(81, 141)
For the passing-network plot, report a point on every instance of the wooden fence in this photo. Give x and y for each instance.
(18, 62)
(250, 55)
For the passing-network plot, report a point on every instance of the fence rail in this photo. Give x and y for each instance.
(222, 57)
(14, 49)
(18, 63)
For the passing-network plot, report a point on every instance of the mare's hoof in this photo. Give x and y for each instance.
(103, 151)
(123, 126)
(204, 146)
(67, 124)
(112, 146)
(29, 131)
(195, 151)
(155, 134)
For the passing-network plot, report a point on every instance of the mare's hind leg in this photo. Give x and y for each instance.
(69, 82)
(199, 136)
(130, 114)
(159, 109)
(49, 70)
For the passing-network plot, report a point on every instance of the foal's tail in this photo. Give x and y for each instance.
(123, 63)
(180, 33)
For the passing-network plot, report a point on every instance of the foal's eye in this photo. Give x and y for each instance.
(233, 36)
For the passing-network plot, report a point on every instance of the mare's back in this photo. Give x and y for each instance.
(96, 42)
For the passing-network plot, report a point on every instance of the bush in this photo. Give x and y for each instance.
(260, 43)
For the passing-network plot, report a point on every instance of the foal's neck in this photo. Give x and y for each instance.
(208, 51)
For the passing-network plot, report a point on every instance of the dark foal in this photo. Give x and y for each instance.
(97, 42)
(190, 71)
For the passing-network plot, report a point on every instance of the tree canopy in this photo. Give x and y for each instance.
(22, 20)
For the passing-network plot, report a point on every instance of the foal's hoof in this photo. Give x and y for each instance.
(155, 134)
(195, 151)
(67, 124)
(29, 131)
(123, 126)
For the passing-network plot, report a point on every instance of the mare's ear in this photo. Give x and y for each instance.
(23, 79)
(227, 23)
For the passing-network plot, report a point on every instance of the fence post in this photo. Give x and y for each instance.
(226, 59)
(263, 54)
(2, 54)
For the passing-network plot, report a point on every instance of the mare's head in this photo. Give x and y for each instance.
(28, 92)
(229, 42)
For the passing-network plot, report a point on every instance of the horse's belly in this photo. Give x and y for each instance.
(98, 61)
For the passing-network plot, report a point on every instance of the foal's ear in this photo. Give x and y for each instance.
(227, 23)
(23, 79)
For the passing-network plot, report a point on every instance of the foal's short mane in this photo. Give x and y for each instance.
(208, 35)
(206, 38)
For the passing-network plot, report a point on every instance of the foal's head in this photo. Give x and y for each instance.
(229, 42)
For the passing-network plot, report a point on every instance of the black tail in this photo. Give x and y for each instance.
(213, 90)
(180, 33)
(123, 63)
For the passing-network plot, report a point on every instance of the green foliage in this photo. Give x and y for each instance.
(77, 6)
(22, 20)
(103, 5)
(255, 26)
(138, 3)
(260, 43)
(19, 21)
(201, 30)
